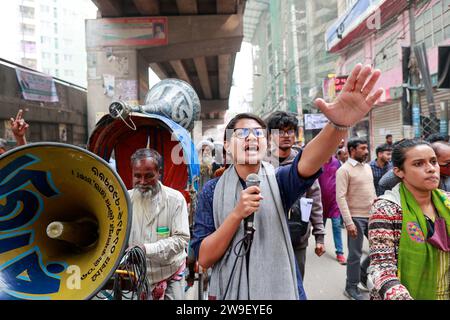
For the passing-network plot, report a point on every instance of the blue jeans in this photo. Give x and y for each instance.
(337, 234)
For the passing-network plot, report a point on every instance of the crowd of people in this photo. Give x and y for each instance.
(405, 220)
(245, 229)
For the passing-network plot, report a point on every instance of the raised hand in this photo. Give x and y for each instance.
(19, 128)
(355, 99)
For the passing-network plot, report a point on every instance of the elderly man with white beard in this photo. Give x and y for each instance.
(159, 226)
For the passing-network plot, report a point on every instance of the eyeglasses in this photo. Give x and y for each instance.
(242, 133)
(283, 132)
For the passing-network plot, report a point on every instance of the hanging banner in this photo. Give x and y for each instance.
(36, 86)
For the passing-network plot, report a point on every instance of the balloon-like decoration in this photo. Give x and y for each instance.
(172, 98)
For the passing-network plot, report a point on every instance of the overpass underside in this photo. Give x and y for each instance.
(192, 40)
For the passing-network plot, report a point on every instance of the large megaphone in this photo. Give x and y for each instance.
(172, 98)
(64, 222)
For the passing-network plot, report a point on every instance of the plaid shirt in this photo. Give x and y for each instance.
(377, 174)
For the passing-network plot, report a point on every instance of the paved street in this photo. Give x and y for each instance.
(324, 276)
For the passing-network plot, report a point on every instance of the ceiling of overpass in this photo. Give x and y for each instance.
(130, 8)
(205, 58)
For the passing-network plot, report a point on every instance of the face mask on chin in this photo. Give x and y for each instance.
(440, 238)
(444, 171)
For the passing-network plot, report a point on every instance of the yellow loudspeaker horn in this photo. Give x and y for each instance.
(64, 222)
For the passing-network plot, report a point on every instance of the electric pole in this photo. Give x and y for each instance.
(414, 74)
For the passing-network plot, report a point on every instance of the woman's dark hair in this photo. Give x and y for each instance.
(282, 119)
(436, 137)
(400, 149)
(354, 143)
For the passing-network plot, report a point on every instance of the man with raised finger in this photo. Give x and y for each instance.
(19, 128)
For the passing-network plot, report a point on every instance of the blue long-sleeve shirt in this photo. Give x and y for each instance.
(291, 186)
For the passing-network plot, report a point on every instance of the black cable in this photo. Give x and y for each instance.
(246, 241)
(134, 263)
(234, 266)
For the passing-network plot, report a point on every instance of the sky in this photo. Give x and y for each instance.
(240, 95)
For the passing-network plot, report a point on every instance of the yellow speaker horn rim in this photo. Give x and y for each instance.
(120, 187)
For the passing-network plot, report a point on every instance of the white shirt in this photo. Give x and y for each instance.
(168, 208)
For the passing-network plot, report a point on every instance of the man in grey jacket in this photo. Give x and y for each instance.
(283, 128)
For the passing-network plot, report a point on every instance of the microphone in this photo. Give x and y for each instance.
(252, 180)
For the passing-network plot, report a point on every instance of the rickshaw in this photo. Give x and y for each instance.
(66, 212)
(161, 124)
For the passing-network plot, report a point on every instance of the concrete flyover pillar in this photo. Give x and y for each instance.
(199, 49)
(114, 73)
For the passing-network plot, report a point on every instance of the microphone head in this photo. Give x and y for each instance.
(252, 180)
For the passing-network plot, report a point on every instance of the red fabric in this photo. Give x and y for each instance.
(159, 291)
(116, 135)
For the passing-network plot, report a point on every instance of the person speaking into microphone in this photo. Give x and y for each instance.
(268, 271)
(251, 182)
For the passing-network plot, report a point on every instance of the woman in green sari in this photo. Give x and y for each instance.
(409, 230)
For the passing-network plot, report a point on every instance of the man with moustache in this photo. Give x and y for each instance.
(381, 165)
(355, 193)
(160, 226)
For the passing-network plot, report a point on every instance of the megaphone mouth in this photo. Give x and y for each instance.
(81, 234)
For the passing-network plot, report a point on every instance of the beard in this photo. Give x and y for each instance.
(148, 190)
(361, 159)
(146, 206)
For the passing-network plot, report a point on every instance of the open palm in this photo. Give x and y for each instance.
(355, 99)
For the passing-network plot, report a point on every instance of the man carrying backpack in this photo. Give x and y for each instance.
(283, 128)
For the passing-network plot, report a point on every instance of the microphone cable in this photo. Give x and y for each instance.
(246, 242)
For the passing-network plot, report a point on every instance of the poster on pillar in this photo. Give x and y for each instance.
(118, 62)
(108, 85)
(127, 90)
(133, 31)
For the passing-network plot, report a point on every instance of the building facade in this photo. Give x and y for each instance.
(375, 32)
(289, 57)
(48, 36)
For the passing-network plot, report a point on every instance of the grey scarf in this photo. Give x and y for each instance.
(272, 274)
